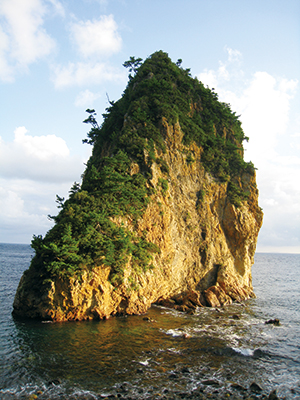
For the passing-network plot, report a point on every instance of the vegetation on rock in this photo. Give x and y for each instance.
(90, 228)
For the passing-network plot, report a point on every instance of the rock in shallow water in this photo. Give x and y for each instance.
(273, 395)
(275, 322)
(255, 388)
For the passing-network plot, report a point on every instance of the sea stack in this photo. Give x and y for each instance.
(167, 211)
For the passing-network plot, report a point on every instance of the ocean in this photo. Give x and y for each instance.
(165, 354)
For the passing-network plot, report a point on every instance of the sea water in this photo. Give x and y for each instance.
(171, 351)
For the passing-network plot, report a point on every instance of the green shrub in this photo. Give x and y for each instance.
(190, 159)
(163, 165)
(163, 183)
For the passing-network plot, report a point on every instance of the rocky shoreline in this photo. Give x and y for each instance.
(208, 389)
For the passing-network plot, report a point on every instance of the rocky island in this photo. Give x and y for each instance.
(167, 211)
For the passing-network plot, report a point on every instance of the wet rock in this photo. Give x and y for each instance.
(124, 387)
(194, 298)
(185, 302)
(191, 311)
(182, 308)
(258, 353)
(148, 319)
(273, 395)
(168, 303)
(173, 375)
(211, 382)
(238, 387)
(211, 298)
(274, 321)
(185, 370)
(255, 388)
(54, 382)
(215, 296)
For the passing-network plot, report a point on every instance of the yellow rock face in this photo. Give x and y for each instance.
(207, 246)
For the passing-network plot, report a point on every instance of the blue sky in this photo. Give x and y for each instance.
(59, 57)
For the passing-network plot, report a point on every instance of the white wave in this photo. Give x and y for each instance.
(172, 350)
(145, 363)
(174, 332)
(244, 352)
(185, 333)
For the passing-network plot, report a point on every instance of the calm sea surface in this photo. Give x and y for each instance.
(175, 351)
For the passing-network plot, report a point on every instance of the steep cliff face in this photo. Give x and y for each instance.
(196, 230)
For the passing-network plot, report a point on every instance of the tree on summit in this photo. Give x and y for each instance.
(133, 64)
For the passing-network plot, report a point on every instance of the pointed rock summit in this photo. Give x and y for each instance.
(167, 211)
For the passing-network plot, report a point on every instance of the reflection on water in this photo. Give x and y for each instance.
(95, 356)
(169, 351)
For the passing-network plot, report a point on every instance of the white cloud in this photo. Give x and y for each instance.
(86, 98)
(40, 147)
(234, 55)
(226, 71)
(95, 41)
(86, 73)
(41, 158)
(23, 40)
(286, 85)
(209, 78)
(103, 2)
(264, 103)
(58, 7)
(24, 206)
(270, 202)
(223, 72)
(11, 203)
(6, 74)
(98, 37)
(264, 106)
(33, 169)
(296, 135)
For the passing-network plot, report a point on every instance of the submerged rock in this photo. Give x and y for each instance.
(167, 211)
(211, 382)
(255, 388)
(273, 395)
(238, 387)
(273, 322)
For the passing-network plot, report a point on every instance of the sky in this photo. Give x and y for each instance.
(60, 57)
